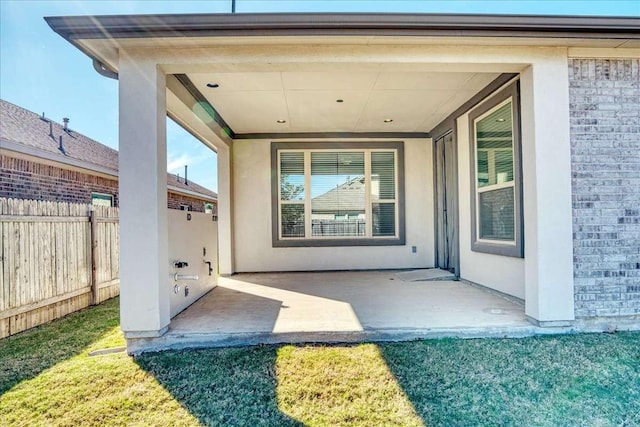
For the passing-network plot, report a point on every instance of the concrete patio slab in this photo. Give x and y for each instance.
(268, 308)
(339, 302)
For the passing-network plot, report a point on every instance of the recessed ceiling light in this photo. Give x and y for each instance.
(281, 121)
(388, 120)
(339, 100)
(213, 85)
(500, 120)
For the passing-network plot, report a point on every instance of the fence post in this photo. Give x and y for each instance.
(94, 256)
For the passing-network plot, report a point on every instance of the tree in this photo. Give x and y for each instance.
(289, 190)
(291, 215)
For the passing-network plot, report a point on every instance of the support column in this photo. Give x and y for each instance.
(144, 269)
(225, 210)
(546, 167)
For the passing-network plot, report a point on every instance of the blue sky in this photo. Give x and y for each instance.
(43, 73)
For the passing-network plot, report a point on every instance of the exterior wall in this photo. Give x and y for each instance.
(26, 179)
(252, 219)
(504, 274)
(605, 151)
(190, 236)
(174, 201)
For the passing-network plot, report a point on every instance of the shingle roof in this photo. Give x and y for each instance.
(348, 197)
(172, 180)
(29, 129)
(26, 128)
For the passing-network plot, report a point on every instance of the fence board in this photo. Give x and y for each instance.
(46, 252)
(43, 303)
(4, 296)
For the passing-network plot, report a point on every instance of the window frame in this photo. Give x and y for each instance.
(329, 241)
(511, 248)
(102, 196)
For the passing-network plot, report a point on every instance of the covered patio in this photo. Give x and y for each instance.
(348, 306)
(347, 142)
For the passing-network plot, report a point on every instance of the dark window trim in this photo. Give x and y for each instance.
(331, 135)
(517, 250)
(377, 241)
(448, 125)
(202, 100)
(223, 126)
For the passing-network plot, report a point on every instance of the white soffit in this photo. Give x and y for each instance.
(308, 101)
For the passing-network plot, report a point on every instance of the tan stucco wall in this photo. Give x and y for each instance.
(188, 240)
(505, 274)
(252, 219)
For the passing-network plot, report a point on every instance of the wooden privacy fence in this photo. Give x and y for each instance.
(57, 258)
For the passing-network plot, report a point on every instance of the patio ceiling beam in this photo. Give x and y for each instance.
(201, 110)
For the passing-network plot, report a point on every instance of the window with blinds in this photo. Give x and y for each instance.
(338, 202)
(337, 194)
(292, 194)
(496, 187)
(494, 173)
(383, 193)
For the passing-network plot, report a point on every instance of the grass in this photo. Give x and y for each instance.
(48, 378)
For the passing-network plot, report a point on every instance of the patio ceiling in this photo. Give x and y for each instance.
(367, 101)
(284, 73)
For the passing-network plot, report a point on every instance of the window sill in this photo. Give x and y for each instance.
(395, 241)
(510, 250)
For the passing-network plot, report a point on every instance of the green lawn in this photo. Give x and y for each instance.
(48, 378)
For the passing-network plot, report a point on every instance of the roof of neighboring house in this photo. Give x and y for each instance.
(348, 197)
(41, 138)
(177, 184)
(24, 127)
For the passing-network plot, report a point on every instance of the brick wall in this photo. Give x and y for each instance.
(25, 179)
(605, 150)
(176, 200)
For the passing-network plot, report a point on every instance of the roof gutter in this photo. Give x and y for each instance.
(199, 195)
(103, 70)
(372, 24)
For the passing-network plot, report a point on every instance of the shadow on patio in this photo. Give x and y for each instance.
(340, 307)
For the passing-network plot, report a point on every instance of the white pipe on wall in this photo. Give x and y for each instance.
(177, 277)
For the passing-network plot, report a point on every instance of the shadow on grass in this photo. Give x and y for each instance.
(588, 379)
(234, 386)
(585, 379)
(24, 356)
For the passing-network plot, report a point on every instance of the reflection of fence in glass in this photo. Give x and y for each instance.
(384, 219)
(293, 220)
(338, 227)
(293, 229)
(497, 216)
